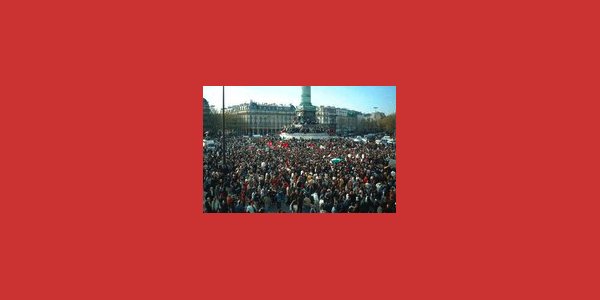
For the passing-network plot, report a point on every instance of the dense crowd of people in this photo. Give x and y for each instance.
(303, 128)
(300, 176)
(307, 126)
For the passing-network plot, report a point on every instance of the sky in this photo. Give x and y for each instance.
(360, 98)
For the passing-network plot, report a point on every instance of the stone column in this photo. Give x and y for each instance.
(305, 96)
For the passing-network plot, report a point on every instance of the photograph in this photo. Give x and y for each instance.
(299, 149)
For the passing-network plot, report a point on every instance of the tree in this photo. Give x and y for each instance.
(210, 123)
(388, 123)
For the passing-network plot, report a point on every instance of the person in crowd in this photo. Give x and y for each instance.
(304, 176)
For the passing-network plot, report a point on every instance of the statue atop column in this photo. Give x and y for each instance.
(305, 124)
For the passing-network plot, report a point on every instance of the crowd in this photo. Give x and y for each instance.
(305, 128)
(299, 176)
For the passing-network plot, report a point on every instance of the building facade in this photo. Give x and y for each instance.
(326, 115)
(376, 116)
(260, 118)
(346, 120)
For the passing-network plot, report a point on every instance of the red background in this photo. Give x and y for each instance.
(497, 154)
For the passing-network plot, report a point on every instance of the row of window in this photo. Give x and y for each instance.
(268, 118)
(256, 108)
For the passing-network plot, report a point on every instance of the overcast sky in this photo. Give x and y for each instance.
(360, 98)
